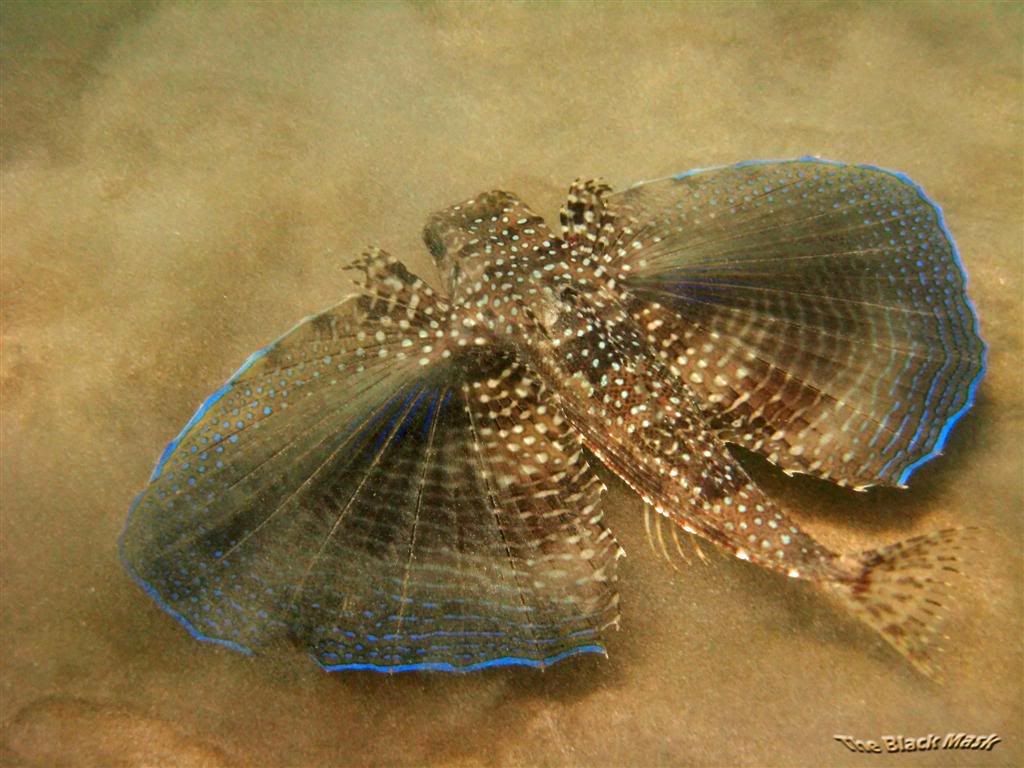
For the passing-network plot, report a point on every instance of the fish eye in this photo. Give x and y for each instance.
(568, 292)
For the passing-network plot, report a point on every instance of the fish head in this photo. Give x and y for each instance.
(493, 231)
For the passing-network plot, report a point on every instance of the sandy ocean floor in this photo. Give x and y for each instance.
(183, 181)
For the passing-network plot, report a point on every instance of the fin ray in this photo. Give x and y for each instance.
(836, 290)
(361, 514)
(903, 591)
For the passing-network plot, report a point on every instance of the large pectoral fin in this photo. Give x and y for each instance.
(361, 490)
(818, 310)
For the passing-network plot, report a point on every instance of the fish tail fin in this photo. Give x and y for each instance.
(904, 590)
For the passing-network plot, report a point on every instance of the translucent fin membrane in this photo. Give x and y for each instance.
(347, 489)
(903, 591)
(399, 483)
(817, 309)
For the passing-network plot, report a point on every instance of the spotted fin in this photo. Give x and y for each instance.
(904, 590)
(586, 222)
(817, 309)
(361, 490)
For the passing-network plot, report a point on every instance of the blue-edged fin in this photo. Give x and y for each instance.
(354, 488)
(819, 310)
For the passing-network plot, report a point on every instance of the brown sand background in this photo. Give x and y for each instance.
(183, 181)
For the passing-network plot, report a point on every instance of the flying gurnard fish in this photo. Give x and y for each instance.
(403, 481)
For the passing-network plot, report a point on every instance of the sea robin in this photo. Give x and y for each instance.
(401, 481)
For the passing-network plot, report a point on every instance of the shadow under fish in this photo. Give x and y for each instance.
(399, 482)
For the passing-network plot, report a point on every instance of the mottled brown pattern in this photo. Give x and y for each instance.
(398, 483)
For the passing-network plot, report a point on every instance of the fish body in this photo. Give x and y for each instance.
(400, 482)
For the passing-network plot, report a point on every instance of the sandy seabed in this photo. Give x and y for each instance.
(181, 182)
